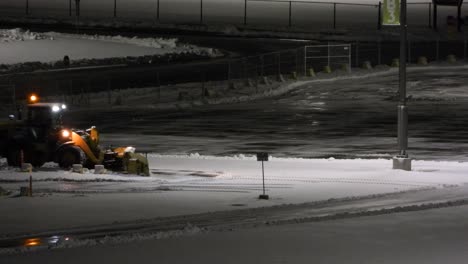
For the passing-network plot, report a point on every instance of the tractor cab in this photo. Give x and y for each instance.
(45, 114)
(44, 120)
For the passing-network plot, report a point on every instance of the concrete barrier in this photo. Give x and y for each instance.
(280, 78)
(451, 58)
(265, 80)
(311, 72)
(78, 168)
(294, 75)
(422, 60)
(26, 167)
(367, 65)
(99, 169)
(345, 67)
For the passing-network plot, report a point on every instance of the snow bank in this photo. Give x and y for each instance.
(51, 47)
(169, 44)
(18, 34)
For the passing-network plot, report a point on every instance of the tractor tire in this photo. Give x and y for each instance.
(70, 156)
(14, 156)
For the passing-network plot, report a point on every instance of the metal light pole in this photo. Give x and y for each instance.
(402, 161)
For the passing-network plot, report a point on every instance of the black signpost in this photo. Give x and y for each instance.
(263, 156)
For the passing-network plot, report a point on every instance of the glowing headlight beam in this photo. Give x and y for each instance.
(55, 108)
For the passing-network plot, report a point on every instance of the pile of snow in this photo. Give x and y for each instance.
(18, 34)
(171, 44)
(50, 47)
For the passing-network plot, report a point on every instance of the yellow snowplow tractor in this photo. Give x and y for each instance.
(41, 137)
(83, 148)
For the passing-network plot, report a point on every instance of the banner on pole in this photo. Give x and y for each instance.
(391, 13)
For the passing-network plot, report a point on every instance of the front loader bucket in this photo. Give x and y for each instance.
(135, 163)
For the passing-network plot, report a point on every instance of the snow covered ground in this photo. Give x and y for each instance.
(18, 46)
(182, 185)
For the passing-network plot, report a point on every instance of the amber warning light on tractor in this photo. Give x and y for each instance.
(33, 98)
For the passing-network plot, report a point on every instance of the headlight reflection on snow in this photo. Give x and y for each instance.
(49, 241)
(32, 242)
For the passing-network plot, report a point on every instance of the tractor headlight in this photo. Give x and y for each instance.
(65, 133)
(55, 108)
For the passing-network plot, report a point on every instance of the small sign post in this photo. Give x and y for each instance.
(263, 156)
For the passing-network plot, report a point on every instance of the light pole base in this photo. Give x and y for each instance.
(402, 163)
(263, 197)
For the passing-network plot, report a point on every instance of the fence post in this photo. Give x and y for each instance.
(430, 14)
(88, 99)
(409, 51)
(69, 7)
(109, 91)
(13, 87)
(305, 60)
(115, 8)
(464, 49)
(349, 56)
(379, 16)
(357, 54)
(245, 13)
(279, 63)
(379, 51)
(229, 74)
(437, 50)
(158, 83)
(262, 62)
(244, 63)
(70, 87)
(290, 13)
(201, 11)
(157, 11)
(27, 7)
(203, 79)
(328, 54)
(296, 62)
(334, 15)
(256, 79)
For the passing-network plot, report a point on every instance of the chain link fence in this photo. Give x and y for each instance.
(384, 52)
(7, 99)
(318, 14)
(211, 79)
(331, 56)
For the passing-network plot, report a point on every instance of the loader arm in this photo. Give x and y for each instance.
(81, 143)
